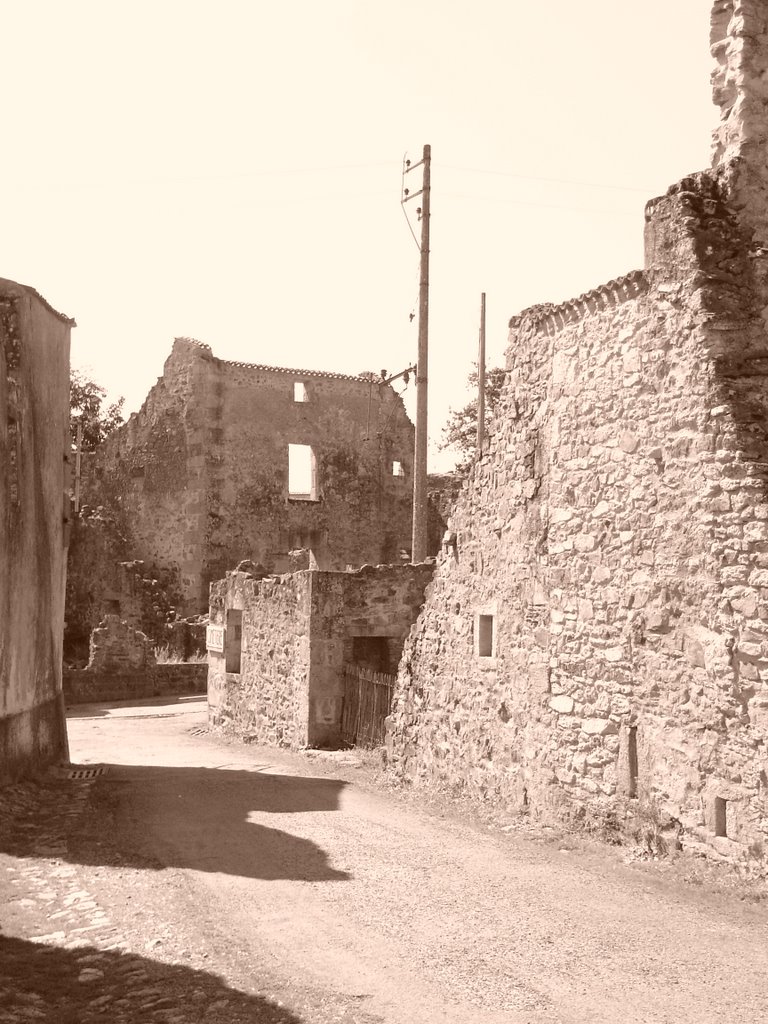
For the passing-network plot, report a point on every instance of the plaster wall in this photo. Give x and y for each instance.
(34, 447)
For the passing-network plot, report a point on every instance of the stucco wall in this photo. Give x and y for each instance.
(202, 471)
(34, 443)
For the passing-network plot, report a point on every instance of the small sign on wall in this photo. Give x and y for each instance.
(214, 638)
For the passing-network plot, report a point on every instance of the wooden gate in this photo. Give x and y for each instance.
(367, 702)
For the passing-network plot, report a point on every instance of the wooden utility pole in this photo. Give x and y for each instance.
(78, 465)
(419, 537)
(481, 379)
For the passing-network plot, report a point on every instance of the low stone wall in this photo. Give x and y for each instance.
(84, 686)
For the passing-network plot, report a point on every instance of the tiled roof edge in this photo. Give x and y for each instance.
(552, 318)
(279, 369)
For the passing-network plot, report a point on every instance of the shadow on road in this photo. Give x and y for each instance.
(77, 986)
(204, 819)
(111, 709)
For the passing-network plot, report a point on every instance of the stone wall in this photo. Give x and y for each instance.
(122, 666)
(103, 579)
(266, 696)
(86, 686)
(201, 472)
(293, 635)
(34, 448)
(739, 40)
(117, 647)
(595, 643)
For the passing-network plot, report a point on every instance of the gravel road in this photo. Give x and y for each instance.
(339, 902)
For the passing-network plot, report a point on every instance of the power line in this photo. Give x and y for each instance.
(554, 181)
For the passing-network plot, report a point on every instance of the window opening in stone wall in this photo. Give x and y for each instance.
(374, 653)
(302, 472)
(485, 636)
(632, 761)
(300, 391)
(721, 822)
(397, 469)
(233, 640)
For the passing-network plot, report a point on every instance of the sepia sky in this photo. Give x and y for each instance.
(232, 171)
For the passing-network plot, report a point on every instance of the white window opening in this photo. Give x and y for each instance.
(302, 473)
(300, 391)
(397, 469)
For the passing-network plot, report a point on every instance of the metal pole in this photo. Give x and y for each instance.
(419, 539)
(481, 379)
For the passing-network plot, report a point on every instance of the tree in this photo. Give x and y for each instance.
(86, 409)
(460, 432)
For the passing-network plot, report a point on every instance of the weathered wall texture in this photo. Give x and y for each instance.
(86, 686)
(122, 666)
(298, 633)
(34, 445)
(201, 472)
(103, 579)
(597, 640)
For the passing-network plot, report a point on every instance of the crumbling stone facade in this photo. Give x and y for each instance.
(203, 475)
(122, 666)
(281, 645)
(103, 579)
(595, 640)
(34, 510)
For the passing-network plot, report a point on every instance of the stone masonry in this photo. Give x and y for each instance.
(203, 480)
(594, 644)
(277, 667)
(123, 666)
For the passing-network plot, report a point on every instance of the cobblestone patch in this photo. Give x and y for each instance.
(62, 959)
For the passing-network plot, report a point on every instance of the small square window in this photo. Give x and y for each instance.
(397, 469)
(300, 391)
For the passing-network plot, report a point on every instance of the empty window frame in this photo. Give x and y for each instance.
(397, 468)
(300, 391)
(721, 816)
(486, 639)
(302, 473)
(233, 640)
(632, 770)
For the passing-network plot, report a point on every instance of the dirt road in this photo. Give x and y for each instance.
(284, 878)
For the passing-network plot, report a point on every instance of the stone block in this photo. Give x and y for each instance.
(599, 726)
(563, 704)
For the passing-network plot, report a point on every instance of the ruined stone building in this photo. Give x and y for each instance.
(229, 461)
(282, 647)
(595, 639)
(34, 510)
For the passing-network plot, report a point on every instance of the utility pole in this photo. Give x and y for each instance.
(78, 465)
(419, 537)
(481, 379)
